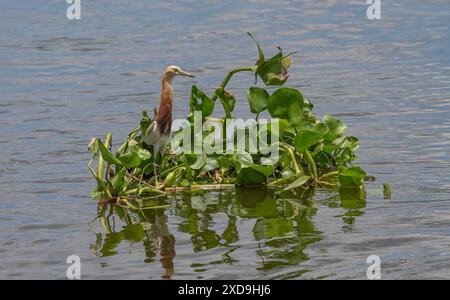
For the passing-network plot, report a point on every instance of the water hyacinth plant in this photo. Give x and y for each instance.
(312, 151)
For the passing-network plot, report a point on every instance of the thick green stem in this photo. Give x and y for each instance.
(311, 163)
(327, 184)
(327, 176)
(278, 182)
(290, 150)
(214, 119)
(101, 162)
(228, 77)
(294, 161)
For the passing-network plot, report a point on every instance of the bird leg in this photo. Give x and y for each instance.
(155, 174)
(158, 185)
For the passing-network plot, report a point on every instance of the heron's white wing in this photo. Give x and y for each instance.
(153, 137)
(163, 141)
(151, 134)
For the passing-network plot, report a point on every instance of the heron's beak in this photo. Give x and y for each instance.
(183, 73)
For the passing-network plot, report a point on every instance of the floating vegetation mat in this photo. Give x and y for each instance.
(310, 151)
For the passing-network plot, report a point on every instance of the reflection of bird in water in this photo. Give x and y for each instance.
(158, 231)
(158, 132)
(167, 252)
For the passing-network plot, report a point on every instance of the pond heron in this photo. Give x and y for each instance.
(157, 134)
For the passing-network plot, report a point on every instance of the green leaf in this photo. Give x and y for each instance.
(351, 177)
(251, 173)
(118, 182)
(266, 130)
(287, 173)
(199, 163)
(99, 180)
(285, 160)
(286, 103)
(257, 99)
(143, 153)
(310, 136)
(298, 182)
(201, 102)
(265, 170)
(275, 70)
(261, 57)
(350, 142)
(188, 158)
(130, 160)
(145, 121)
(243, 159)
(228, 101)
(108, 156)
(250, 176)
(171, 177)
(210, 164)
(145, 157)
(346, 155)
(224, 163)
(184, 182)
(335, 126)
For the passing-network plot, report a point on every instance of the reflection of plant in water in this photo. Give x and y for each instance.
(197, 209)
(147, 226)
(283, 225)
(288, 232)
(352, 201)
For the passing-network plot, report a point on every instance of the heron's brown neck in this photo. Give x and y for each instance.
(167, 90)
(164, 116)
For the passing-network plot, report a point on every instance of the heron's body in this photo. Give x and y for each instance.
(157, 137)
(158, 132)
